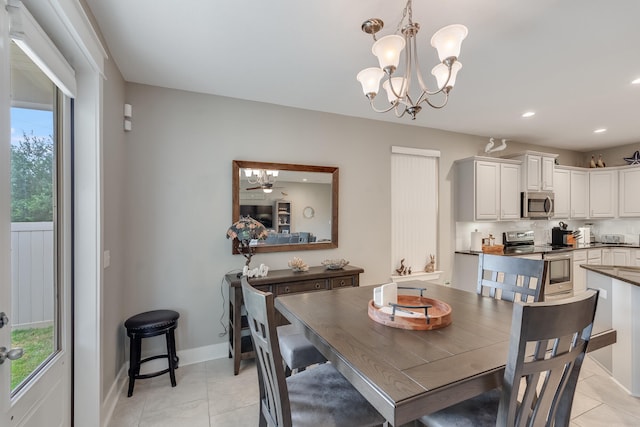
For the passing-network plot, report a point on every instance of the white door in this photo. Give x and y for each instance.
(35, 389)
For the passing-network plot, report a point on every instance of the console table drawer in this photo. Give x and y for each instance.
(344, 282)
(304, 286)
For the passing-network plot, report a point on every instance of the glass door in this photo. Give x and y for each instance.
(34, 286)
(37, 249)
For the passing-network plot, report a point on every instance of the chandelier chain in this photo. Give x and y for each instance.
(408, 10)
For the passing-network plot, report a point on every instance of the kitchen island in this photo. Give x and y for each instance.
(618, 309)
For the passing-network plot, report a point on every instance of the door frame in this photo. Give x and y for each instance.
(67, 25)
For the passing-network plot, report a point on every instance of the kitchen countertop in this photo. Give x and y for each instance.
(547, 249)
(616, 272)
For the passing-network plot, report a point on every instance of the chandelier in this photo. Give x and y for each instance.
(262, 177)
(447, 41)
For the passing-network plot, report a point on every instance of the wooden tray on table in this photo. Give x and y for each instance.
(410, 313)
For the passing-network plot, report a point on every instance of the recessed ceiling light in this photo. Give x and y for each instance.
(601, 130)
(528, 114)
(636, 81)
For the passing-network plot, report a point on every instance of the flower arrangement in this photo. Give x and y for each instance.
(244, 231)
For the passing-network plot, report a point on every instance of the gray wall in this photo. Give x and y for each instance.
(178, 197)
(114, 185)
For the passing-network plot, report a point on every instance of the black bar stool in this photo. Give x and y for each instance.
(146, 325)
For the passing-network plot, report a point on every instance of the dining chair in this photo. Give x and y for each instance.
(296, 350)
(540, 379)
(317, 397)
(510, 278)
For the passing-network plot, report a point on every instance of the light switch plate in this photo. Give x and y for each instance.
(107, 258)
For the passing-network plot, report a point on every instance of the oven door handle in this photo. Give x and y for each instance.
(558, 257)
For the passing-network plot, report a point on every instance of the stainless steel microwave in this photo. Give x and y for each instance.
(538, 204)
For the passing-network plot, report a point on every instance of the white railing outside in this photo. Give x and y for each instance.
(32, 284)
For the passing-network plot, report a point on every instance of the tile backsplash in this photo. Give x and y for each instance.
(629, 228)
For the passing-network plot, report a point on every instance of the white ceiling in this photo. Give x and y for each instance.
(571, 61)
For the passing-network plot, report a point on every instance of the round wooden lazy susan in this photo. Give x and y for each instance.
(413, 318)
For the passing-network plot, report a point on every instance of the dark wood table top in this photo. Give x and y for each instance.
(406, 374)
(403, 373)
(287, 275)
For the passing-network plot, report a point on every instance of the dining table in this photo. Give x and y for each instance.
(403, 373)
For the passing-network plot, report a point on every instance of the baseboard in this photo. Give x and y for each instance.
(115, 391)
(187, 357)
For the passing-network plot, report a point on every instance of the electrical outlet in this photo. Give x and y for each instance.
(603, 293)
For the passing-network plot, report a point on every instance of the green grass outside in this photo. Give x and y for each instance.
(37, 344)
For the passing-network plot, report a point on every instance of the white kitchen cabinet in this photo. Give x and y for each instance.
(509, 191)
(579, 273)
(619, 257)
(487, 189)
(594, 256)
(579, 194)
(607, 258)
(628, 200)
(537, 170)
(603, 193)
(562, 193)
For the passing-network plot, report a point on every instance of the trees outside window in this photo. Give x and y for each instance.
(32, 179)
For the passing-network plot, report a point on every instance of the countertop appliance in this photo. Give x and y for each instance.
(559, 236)
(536, 204)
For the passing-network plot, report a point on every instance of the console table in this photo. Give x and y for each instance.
(278, 282)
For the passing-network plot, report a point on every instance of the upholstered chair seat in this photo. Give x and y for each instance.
(297, 351)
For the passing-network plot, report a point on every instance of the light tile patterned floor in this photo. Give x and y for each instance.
(209, 395)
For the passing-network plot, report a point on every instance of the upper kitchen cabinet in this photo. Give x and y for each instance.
(537, 170)
(579, 194)
(562, 192)
(629, 202)
(487, 189)
(603, 191)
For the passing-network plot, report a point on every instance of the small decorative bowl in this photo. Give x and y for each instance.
(334, 264)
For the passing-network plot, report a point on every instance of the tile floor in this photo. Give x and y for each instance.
(209, 395)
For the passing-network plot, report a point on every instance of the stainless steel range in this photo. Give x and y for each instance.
(559, 282)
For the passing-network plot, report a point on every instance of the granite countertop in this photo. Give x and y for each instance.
(546, 249)
(630, 275)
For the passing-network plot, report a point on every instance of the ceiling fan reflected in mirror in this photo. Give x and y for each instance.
(266, 187)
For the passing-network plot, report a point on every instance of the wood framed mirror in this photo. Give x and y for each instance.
(278, 195)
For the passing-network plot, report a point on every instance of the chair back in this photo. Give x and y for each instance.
(510, 278)
(547, 348)
(274, 396)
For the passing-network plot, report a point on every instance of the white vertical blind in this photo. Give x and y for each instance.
(414, 207)
(33, 40)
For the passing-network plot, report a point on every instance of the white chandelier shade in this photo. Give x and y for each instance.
(448, 40)
(388, 50)
(441, 73)
(370, 78)
(399, 85)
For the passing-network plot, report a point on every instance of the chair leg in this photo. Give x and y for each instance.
(134, 363)
(171, 356)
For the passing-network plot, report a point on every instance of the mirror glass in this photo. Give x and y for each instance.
(298, 204)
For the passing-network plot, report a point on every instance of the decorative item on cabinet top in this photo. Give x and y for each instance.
(334, 264)
(298, 265)
(634, 159)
